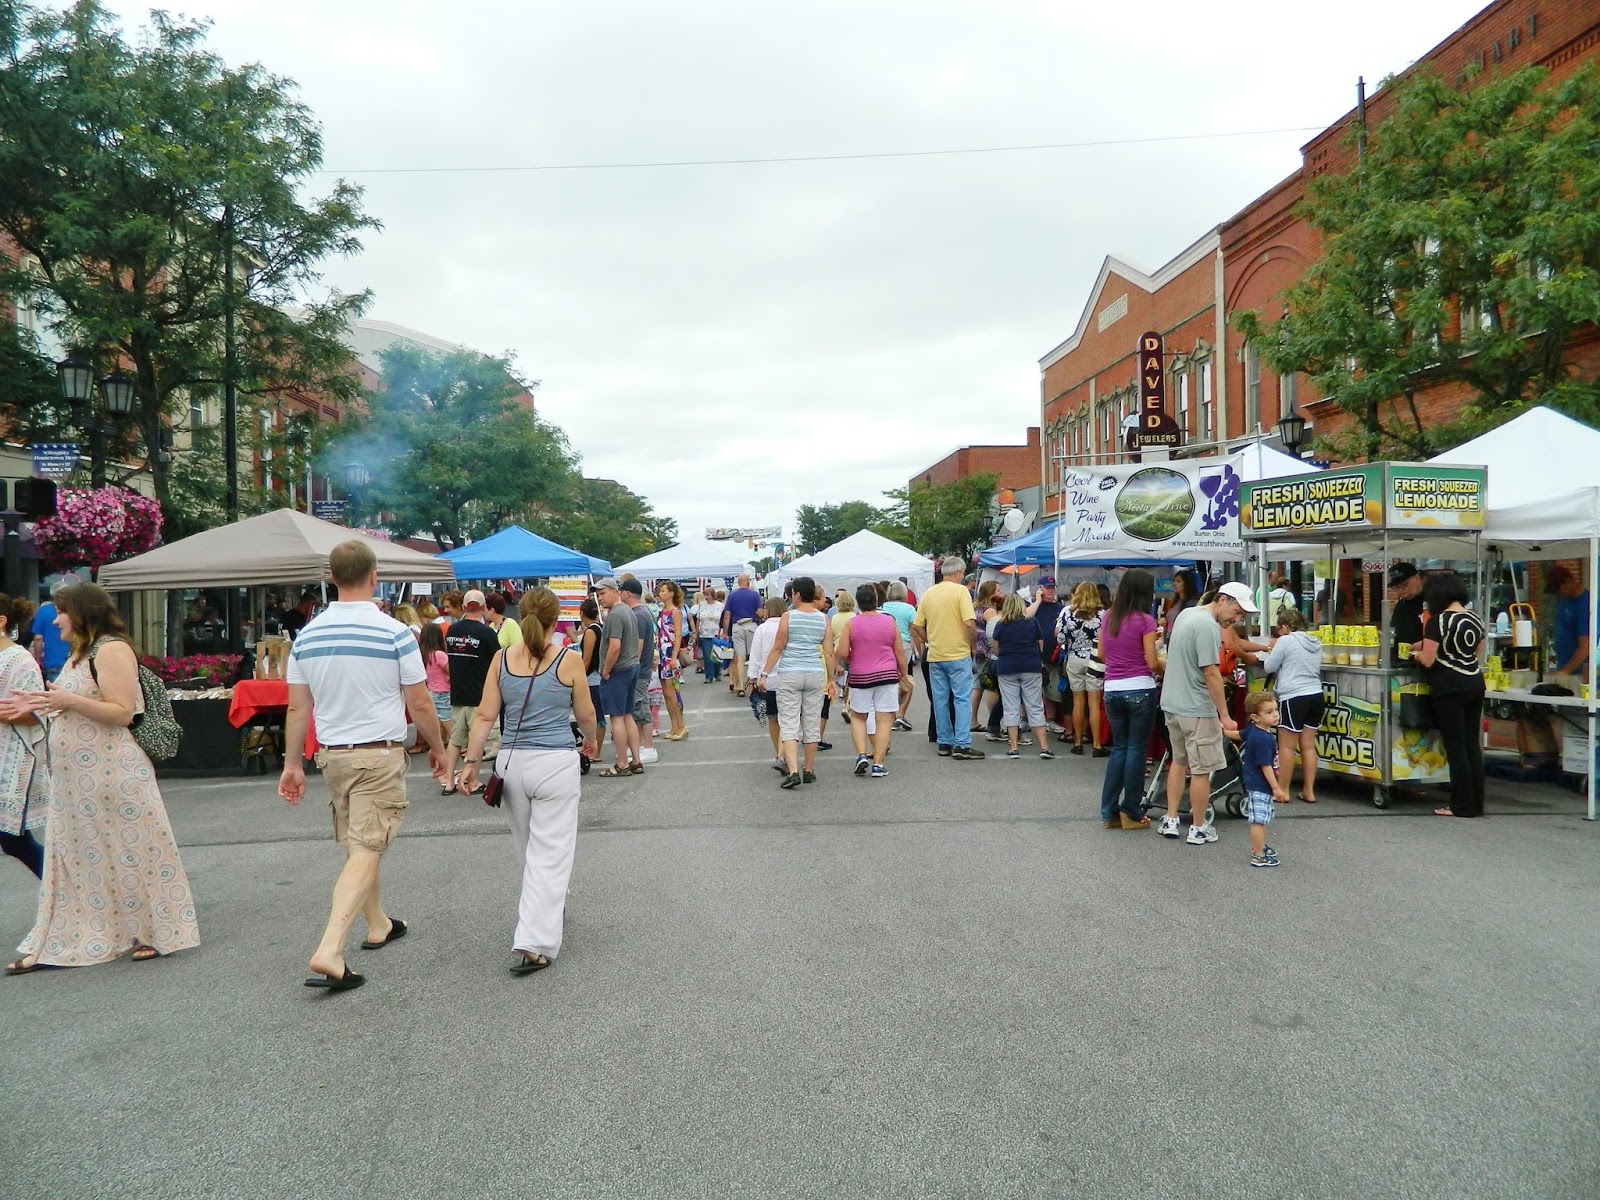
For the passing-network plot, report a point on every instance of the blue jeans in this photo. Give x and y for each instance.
(952, 690)
(1132, 716)
(712, 663)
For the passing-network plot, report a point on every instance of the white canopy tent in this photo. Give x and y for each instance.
(694, 558)
(864, 557)
(285, 546)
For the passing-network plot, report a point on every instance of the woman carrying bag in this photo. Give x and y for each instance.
(24, 795)
(541, 687)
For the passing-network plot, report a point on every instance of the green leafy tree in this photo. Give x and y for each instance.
(1464, 250)
(819, 526)
(134, 179)
(942, 518)
(609, 521)
(449, 452)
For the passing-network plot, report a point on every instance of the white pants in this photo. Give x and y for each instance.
(1022, 694)
(800, 706)
(541, 800)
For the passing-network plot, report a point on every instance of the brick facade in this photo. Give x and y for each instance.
(1017, 466)
(1089, 383)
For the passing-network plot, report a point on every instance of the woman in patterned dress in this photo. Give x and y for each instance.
(24, 802)
(112, 878)
(671, 637)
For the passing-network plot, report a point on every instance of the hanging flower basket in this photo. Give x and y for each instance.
(96, 526)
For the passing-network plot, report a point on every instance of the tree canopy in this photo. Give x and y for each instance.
(933, 519)
(818, 526)
(449, 452)
(1463, 249)
(609, 521)
(131, 176)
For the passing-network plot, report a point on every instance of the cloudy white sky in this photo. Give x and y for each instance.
(734, 341)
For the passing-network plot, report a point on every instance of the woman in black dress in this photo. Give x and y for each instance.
(1452, 650)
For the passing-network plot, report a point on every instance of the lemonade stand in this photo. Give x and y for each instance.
(1377, 724)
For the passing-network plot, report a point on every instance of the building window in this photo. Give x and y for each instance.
(1180, 400)
(1288, 394)
(1252, 387)
(33, 315)
(1205, 426)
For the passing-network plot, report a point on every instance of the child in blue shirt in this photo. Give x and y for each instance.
(1261, 782)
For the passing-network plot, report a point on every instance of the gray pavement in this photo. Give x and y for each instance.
(952, 983)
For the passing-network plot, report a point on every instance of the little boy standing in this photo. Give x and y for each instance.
(1261, 783)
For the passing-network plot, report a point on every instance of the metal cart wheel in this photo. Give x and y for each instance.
(1380, 797)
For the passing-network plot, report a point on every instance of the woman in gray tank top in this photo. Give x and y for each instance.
(540, 688)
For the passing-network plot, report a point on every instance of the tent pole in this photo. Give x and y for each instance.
(1594, 578)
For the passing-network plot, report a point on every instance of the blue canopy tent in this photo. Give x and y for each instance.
(1038, 549)
(516, 553)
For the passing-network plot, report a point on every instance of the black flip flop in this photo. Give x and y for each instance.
(343, 984)
(397, 930)
(527, 964)
(16, 968)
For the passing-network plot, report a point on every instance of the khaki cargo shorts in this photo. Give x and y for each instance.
(743, 637)
(461, 719)
(1197, 743)
(367, 793)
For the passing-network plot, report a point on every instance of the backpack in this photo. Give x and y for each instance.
(156, 730)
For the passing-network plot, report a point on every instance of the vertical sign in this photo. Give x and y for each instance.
(1156, 427)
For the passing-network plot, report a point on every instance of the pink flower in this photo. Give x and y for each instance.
(96, 526)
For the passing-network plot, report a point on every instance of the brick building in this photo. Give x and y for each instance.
(1088, 385)
(1017, 466)
(1268, 246)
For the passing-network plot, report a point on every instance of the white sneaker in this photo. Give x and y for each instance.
(1199, 835)
(1169, 827)
(647, 755)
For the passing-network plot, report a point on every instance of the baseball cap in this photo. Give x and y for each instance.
(607, 581)
(473, 599)
(633, 586)
(1048, 581)
(1401, 572)
(1239, 593)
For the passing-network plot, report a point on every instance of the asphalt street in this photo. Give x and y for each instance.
(951, 983)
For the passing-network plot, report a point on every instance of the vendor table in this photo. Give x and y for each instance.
(209, 742)
(1587, 762)
(255, 697)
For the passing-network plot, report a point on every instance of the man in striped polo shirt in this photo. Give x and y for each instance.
(360, 671)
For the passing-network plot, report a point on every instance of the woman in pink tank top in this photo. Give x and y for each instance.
(872, 647)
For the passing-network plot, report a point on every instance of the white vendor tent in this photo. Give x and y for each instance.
(277, 547)
(864, 557)
(695, 558)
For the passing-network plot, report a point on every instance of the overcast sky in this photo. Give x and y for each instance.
(734, 341)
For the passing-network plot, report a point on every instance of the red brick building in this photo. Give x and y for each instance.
(1089, 385)
(1017, 466)
(1268, 246)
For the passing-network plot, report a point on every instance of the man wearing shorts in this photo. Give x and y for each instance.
(633, 598)
(1196, 708)
(471, 645)
(360, 672)
(619, 673)
(739, 625)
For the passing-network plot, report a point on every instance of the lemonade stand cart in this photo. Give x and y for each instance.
(1377, 725)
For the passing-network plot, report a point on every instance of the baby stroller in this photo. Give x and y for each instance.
(1227, 785)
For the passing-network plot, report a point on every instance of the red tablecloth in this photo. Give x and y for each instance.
(251, 697)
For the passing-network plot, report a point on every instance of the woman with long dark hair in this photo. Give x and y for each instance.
(672, 634)
(1132, 697)
(24, 796)
(1185, 594)
(541, 686)
(1452, 649)
(113, 881)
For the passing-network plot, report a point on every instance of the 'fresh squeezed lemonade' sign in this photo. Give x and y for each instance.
(1437, 497)
(1337, 500)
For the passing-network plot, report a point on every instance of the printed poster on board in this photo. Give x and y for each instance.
(1162, 511)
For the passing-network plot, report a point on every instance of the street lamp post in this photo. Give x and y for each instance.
(356, 477)
(76, 377)
(1292, 433)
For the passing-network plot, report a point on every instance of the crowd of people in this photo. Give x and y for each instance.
(493, 677)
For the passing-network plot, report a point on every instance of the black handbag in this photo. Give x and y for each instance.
(494, 785)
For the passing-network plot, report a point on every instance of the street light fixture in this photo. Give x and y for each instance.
(117, 392)
(1292, 433)
(355, 476)
(75, 374)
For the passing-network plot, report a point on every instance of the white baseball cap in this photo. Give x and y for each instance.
(1239, 593)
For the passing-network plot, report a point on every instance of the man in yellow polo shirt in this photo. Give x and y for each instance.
(945, 630)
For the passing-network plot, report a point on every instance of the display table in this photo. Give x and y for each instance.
(209, 743)
(253, 698)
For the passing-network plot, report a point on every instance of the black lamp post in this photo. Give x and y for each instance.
(355, 478)
(1292, 433)
(118, 392)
